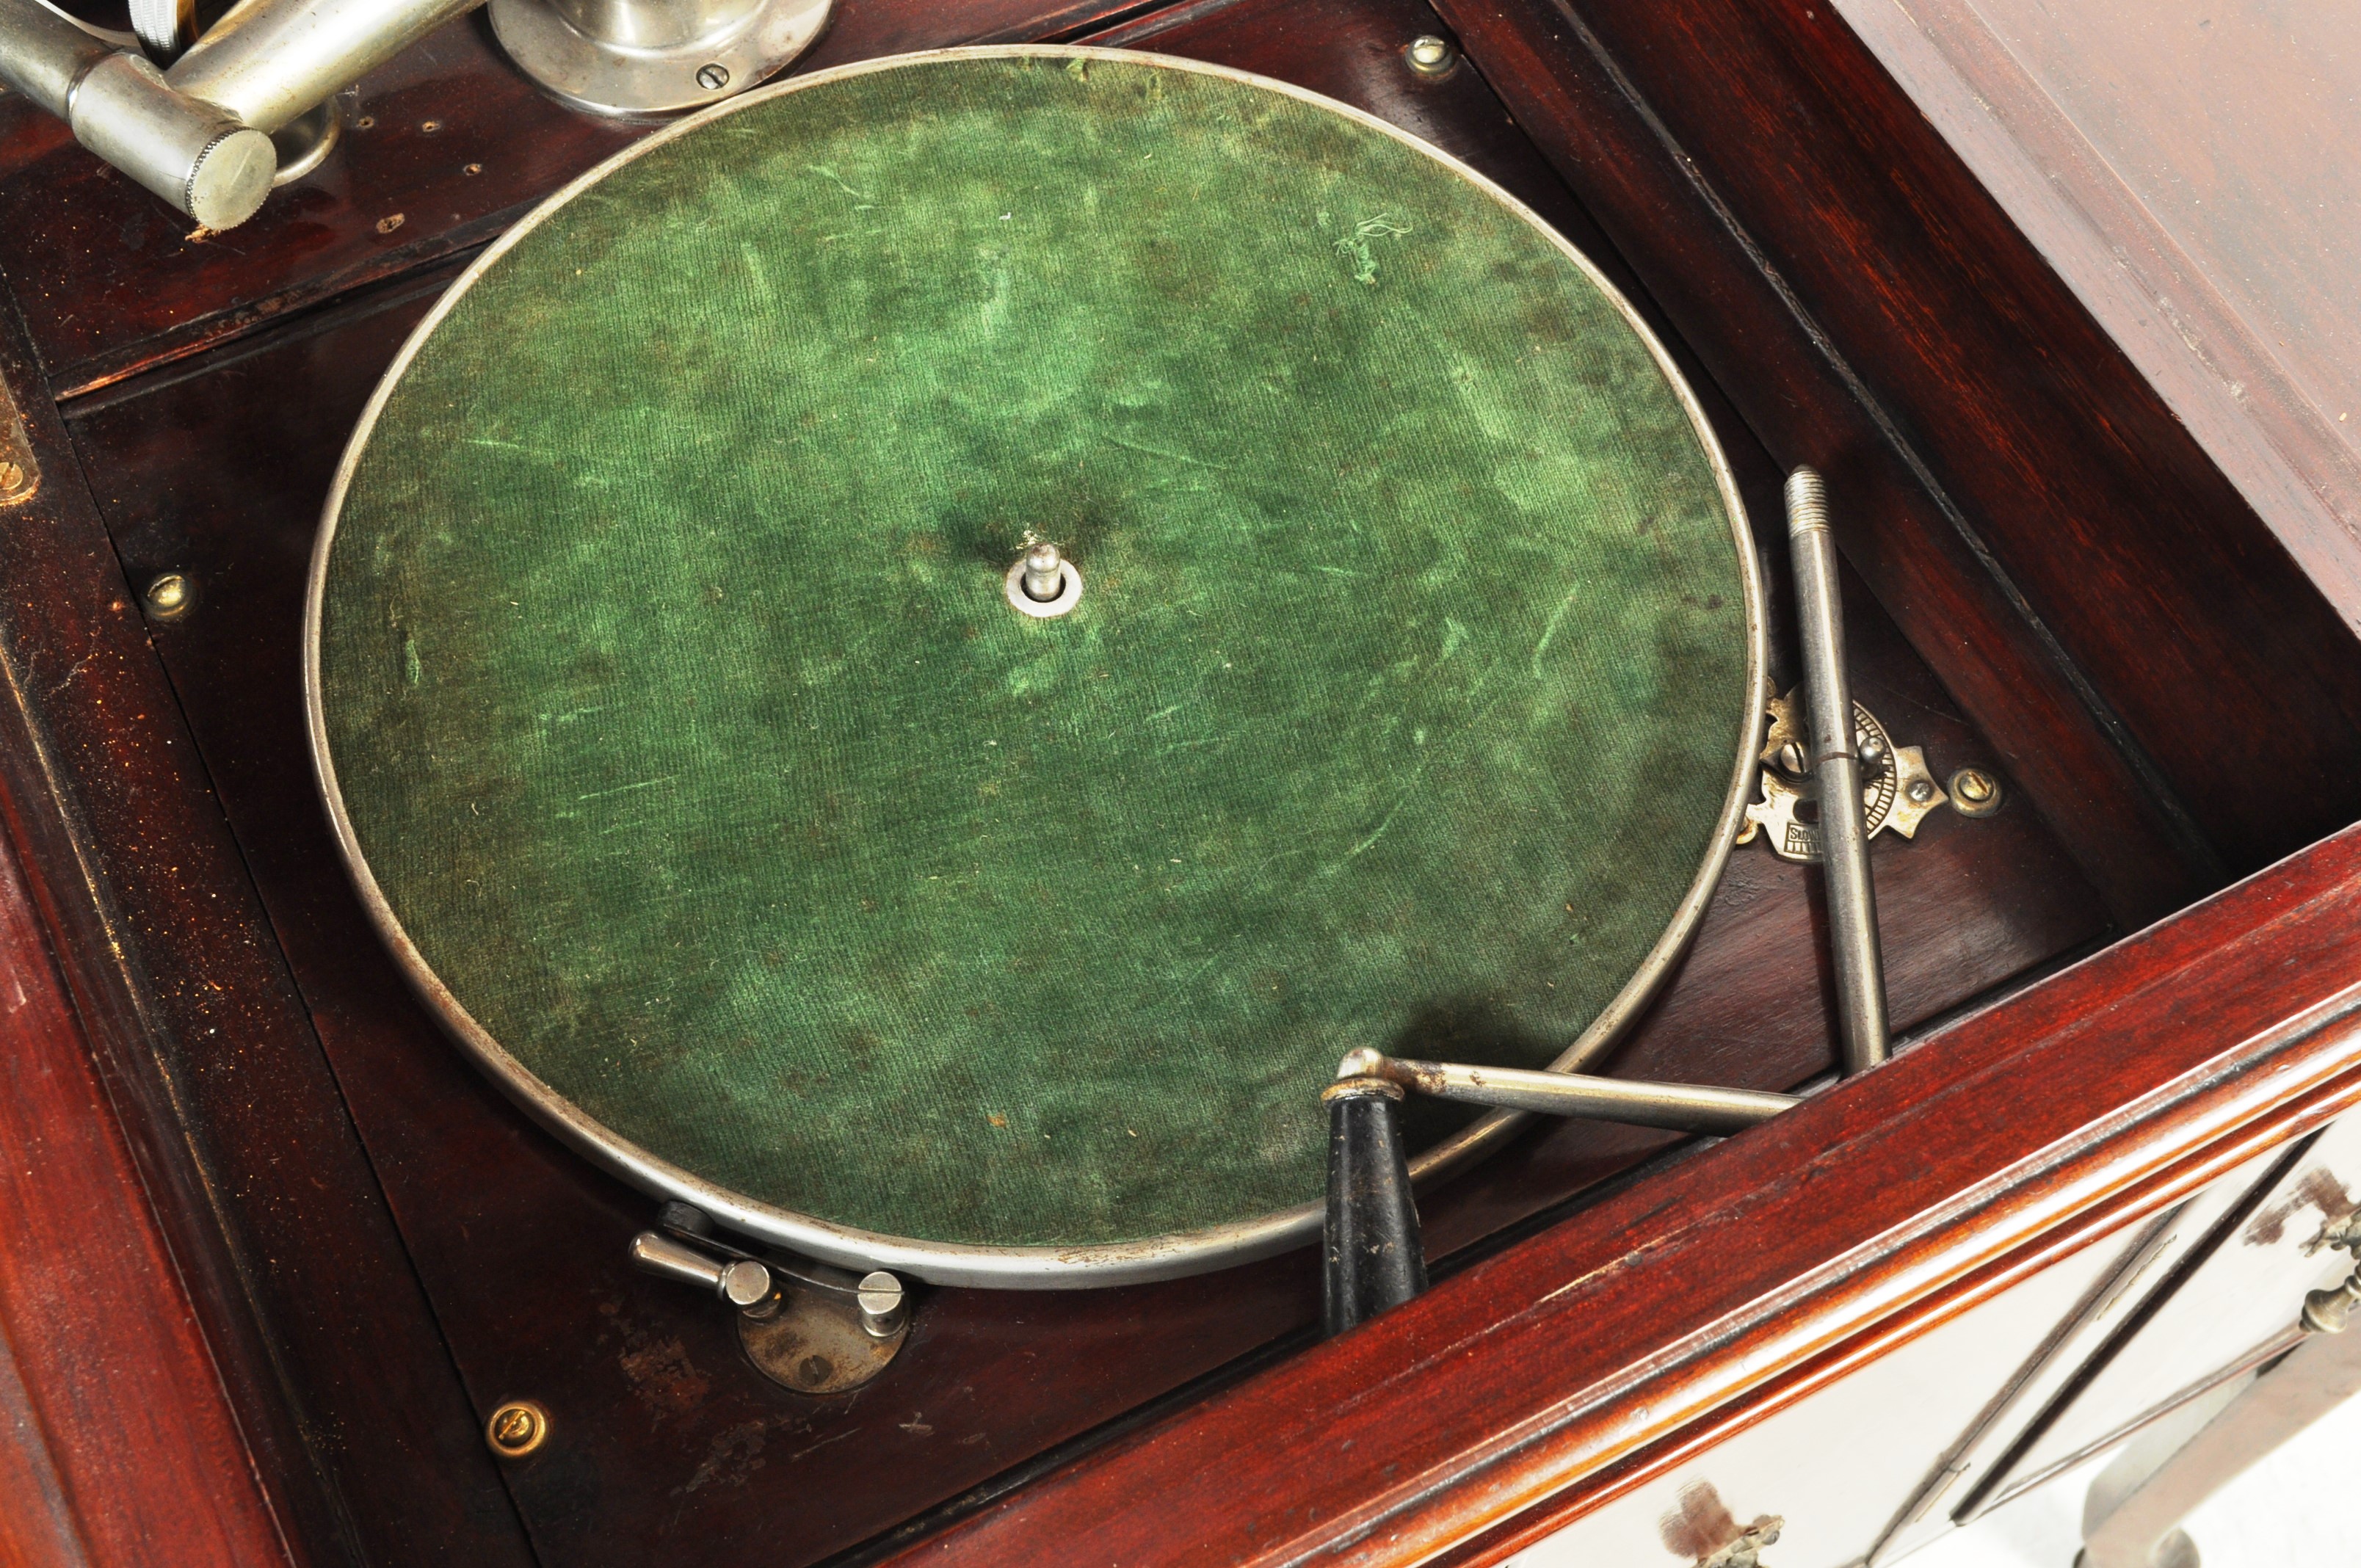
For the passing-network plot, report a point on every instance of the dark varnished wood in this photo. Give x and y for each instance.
(216, 465)
(122, 1447)
(2179, 188)
(346, 1400)
(1870, 310)
(1519, 1394)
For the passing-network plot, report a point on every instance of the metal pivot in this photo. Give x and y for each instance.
(646, 57)
(199, 133)
(1374, 1257)
(805, 1326)
(1829, 737)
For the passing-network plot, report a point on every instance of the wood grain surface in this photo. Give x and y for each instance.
(117, 1442)
(2097, 596)
(345, 1395)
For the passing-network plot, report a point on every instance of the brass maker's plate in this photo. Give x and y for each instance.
(666, 693)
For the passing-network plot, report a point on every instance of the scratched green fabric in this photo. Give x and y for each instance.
(678, 711)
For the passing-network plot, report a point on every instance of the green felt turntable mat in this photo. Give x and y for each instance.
(677, 712)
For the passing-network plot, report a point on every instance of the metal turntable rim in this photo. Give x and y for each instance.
(1026, 1266)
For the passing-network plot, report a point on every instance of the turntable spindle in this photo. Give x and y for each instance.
(1043, 573)
(1043, 583)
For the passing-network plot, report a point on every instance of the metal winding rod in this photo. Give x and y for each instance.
(1834, 760)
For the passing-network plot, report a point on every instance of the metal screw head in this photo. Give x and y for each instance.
(12, 476)
(1922, 790)
(713, 78)
(1431, 55)
(517, 1428)
(1975, 792)
(167, 595)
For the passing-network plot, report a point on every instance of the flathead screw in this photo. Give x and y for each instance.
(517, 1428)
(167, 595)
(713, 78)
(1975, 792)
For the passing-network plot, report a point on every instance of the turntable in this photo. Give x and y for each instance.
(709, 757)
(853, 699)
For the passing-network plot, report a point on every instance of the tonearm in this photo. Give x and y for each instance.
(192, 120)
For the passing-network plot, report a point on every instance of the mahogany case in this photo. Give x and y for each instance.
(272, 1226)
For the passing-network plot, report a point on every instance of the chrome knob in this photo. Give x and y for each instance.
(883, 1305)
(740, 1281)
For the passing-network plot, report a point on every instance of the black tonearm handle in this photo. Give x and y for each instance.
(1374, 1256)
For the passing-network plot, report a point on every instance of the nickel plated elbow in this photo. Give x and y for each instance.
(198, 134)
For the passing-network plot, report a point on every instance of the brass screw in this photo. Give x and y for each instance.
(12, 476)
(167, 595)
(1975, 792)
(517, 1428)
(1431, 56)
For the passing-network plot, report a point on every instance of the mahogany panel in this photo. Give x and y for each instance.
(121, 1449)
(1757, 164)
(1512, 1397)
(341, 1387)
(217, 467)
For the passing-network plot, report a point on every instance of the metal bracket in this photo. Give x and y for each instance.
(1746, 1551)
(2329, 1311)
(805, 1326)
(1898, 790)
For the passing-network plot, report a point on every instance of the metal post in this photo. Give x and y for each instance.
(1844, 843)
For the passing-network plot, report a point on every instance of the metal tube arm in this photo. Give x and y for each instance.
(268, 61)
(197, 134)
(1682, 1107)
(192, 154)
